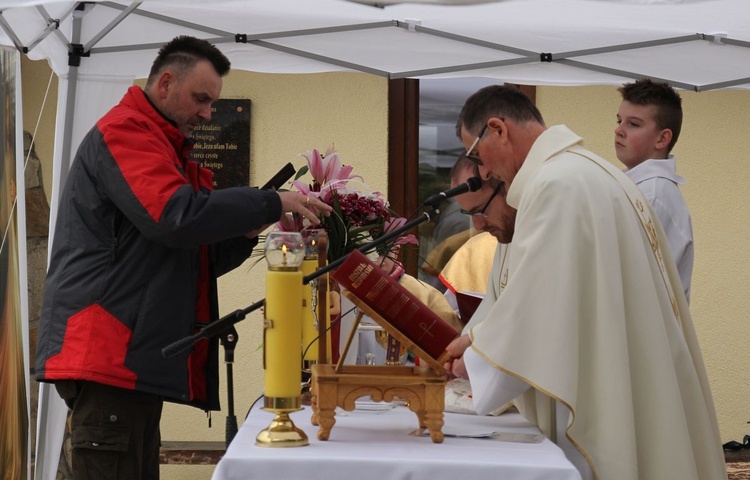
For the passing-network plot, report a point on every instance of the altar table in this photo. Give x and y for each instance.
(369, 445)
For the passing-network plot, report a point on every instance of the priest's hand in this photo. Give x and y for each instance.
(458, 346)
(456, 367)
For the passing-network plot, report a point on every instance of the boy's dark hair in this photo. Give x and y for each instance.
(184, 52)
(500, 101)
(662, 96)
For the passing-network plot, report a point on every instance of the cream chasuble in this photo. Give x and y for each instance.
(469, 268)
(431, 297)
(593, 315)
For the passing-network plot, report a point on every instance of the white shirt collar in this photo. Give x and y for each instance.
(653, 168)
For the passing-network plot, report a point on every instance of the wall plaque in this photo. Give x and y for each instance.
(223, 144)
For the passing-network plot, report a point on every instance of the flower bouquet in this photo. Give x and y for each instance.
(359, 215)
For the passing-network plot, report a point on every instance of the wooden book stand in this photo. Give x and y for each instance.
(422, 387)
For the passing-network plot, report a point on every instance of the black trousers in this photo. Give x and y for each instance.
(114, 432)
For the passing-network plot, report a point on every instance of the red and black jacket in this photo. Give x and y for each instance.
(139, 241)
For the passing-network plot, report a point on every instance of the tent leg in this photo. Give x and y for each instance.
(52, 411)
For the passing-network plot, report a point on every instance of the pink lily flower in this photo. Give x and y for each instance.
(394, 224)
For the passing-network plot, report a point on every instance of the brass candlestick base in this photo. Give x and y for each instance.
(281, 432)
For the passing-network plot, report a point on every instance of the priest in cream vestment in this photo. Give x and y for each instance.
(593, 314)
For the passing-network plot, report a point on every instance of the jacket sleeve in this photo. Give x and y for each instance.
(138, 170)
(231, 253)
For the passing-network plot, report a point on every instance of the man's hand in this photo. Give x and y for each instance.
(456, 367)
(458, 346)
(307, 206)
(294, 202)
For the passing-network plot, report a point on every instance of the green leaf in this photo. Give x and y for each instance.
(301, 172)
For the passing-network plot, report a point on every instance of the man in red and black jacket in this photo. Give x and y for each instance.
(139, 241)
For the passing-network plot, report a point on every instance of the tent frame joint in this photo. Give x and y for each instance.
(75, 54)
(240, 38)
(545, 57)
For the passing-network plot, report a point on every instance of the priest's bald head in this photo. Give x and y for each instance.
(487, 207)
(498, 125)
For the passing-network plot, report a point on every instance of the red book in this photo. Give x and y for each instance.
(400, 310)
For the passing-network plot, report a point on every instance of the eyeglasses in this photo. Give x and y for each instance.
(484, 208)
(471, 156)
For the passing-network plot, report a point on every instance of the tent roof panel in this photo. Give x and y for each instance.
(557, 27)
(395, 49)
(698, 63)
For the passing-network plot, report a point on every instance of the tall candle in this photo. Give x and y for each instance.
(283, 354)
(282, 359)
(309, 328)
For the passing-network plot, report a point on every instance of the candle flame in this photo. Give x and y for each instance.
(283, 254)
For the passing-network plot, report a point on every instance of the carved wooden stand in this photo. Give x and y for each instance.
(423, 388)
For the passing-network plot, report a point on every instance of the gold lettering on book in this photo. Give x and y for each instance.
(396, 306)
(359, 274)
(377, 293)
(374, 292)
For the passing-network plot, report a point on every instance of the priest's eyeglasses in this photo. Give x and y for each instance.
(484, 208)
(469, 153)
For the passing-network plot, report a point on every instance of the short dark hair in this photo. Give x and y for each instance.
(502, 101)
(464, 164)
(662, 96)
(184, 52)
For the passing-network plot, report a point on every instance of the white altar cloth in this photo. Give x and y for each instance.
(366, 445)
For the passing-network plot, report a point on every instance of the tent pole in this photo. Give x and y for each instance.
(70, 108)
(320, 58)
(108, 28)
(624, 73)
(468, 40)
(53, 26)
(727, 84)
(626, 46)
(468, 66)
(11, 34)
(52, 412)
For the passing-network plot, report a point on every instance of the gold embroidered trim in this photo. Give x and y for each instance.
(650, 229)
(556, 399)
(504, 269)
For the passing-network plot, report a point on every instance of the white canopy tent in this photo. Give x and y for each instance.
(693, 44)
(98, 48)
(698, 44)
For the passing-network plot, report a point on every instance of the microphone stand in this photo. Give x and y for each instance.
(223, 324)
(224, 327)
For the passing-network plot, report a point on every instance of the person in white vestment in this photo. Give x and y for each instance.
(648, 125)
(593, 322)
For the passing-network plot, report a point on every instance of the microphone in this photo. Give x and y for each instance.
(471, 185)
